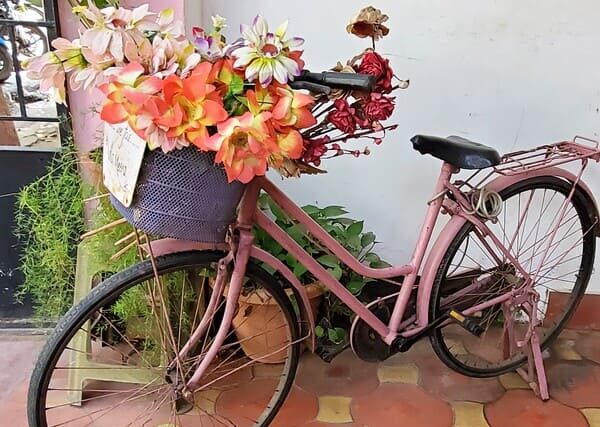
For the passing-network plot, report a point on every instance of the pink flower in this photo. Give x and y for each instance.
(378, 107)
(93, 73)
(372, 63)
(118, 31)
(342, 117)
(314, 149)
(49, 70)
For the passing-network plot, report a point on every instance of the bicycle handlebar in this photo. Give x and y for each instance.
(325, 81)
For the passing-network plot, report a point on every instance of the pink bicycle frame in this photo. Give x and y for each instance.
(249, 216)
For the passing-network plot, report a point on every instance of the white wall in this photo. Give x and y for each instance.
(511, 74)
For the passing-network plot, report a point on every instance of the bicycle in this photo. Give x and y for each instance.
(30, 40)
(520, 229)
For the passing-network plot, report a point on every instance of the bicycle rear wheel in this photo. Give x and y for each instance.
(105, 363)
(470, 275)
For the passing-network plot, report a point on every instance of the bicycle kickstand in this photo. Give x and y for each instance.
(535, 374)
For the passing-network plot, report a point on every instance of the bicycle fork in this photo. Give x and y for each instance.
(239, 256)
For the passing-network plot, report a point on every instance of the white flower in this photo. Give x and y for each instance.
(218, 23)
(266, 55)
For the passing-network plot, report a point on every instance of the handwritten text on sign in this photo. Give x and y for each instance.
(122, 161)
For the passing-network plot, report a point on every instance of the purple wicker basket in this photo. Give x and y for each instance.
(183, 195)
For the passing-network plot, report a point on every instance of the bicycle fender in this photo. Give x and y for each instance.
(307, 320)
(447, 234)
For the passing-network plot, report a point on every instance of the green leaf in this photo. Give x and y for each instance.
(336, 335)
(372, 257)
(355, 286)
(296, 232)
(367, 239)
(290, 260)
(354, 245)
(299, 270)
(332, 211)
(274, 249)
(311, 209)
(380, 264)
(276, 210)
(356, 228)
(328, 261)
(343, 221)
(236, 86)
(263, 201)
(319, 331)
(336, 272)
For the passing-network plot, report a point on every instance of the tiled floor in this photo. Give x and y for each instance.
(411, 389)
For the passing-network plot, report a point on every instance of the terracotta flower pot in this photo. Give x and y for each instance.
(259, 313)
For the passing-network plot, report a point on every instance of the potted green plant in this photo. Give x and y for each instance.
(332, 316)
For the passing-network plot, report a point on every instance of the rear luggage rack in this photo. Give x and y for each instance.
(549, 155)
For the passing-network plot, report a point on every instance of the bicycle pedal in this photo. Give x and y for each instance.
(183, 406)
(468, 323)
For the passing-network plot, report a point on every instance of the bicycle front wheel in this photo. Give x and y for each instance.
(106, 362)
(32, 41)
(553, 240)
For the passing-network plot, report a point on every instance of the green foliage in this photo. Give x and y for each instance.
(102, 244)
(348, 232)
(49, 220)
(139, 314)
(101, 3)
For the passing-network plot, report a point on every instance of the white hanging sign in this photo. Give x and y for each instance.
(122, 161)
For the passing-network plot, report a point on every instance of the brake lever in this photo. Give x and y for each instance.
(311, 86)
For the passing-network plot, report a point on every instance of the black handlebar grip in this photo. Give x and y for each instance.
(353, 81)
(311, 86)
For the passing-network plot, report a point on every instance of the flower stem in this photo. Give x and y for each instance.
(361, 134)
(320, 113)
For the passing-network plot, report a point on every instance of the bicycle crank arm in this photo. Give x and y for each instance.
(403, 344)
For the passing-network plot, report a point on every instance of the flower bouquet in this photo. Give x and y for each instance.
(234, 104)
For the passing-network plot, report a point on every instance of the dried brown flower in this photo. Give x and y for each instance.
(369, 23)
(340, 93)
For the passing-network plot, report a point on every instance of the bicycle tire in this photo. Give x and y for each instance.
(7, 65)
(109, 290)
(23, 48)
(443, 346)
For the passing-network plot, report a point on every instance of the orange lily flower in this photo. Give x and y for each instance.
(193, 105)
(243, 144)
(293, 109)
(127, 92)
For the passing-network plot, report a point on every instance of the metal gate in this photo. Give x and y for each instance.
(31, 127)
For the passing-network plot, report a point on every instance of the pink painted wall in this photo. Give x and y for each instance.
(87, 127)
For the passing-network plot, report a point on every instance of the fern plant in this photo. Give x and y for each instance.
(49, 221)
